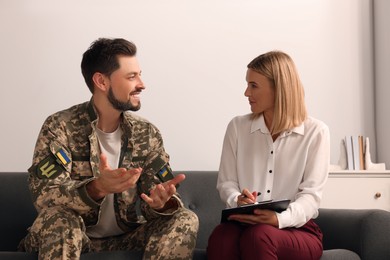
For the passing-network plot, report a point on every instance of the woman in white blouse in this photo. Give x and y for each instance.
(276, 152)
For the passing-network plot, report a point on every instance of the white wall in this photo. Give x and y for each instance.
(193, 55)
(382, 78)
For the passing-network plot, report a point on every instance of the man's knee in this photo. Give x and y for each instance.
(173, 236)
(54, 228)
(187, 219)
(58, 219)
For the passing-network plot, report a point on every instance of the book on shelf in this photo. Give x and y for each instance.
(362, 153)
(356, 153)
(355, 148)
(361, 161)
(348, 147)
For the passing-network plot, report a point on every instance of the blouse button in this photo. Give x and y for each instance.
(268, 191)
(270, 171)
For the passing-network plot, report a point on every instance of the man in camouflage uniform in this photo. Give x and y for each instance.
(100, 177)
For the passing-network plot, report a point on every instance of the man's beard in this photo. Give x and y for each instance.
(119, 105)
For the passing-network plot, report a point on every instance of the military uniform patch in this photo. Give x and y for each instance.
(62, 156)
(54, 164)
(165, 174)
(49, 168)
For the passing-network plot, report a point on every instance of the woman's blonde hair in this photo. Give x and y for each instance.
(290, 109)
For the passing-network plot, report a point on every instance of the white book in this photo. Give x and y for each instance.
(356, 152)
(348, 148)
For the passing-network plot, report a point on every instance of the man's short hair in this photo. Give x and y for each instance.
(102, 57)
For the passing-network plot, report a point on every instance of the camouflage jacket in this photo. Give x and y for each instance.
(66, 158)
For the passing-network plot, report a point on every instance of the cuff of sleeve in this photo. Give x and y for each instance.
(169, 212)
(283, 219)
(232, 200)
(82, 189)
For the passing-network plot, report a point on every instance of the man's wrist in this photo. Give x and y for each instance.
(94, 191)
(172, 204)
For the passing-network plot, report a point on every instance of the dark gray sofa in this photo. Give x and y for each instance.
(348, 234)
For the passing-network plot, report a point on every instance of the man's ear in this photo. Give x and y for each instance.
(100, 81)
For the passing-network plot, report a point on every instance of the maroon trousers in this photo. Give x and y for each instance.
(232, 240)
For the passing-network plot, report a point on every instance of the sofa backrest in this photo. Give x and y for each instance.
(17, 210)
(199, 194)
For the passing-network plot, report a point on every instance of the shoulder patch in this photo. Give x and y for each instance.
(49, 168)
(62, 156)
(165, 174)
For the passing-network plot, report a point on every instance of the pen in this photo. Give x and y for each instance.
(258, 194)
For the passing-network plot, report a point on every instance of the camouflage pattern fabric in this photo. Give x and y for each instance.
(59, 233)
(66, 159)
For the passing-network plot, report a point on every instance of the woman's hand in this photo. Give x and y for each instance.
(246, 197)
(263, 216)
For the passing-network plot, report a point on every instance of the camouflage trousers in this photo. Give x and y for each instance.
(59, 233)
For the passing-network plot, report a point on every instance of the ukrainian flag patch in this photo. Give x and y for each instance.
(62, 156)
(165, 174)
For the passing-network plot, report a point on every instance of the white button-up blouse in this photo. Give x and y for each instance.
(294, 166)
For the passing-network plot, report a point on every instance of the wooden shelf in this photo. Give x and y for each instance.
(360, 174)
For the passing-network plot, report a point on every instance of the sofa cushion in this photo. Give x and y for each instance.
(339, 254)
(115, 255)
(199, 254)
(17, 256)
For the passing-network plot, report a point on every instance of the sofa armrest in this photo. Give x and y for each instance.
(18, 212)
(365, 232)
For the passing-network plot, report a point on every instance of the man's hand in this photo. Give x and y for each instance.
(162, 193)
(264, 216)
(112, 181)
